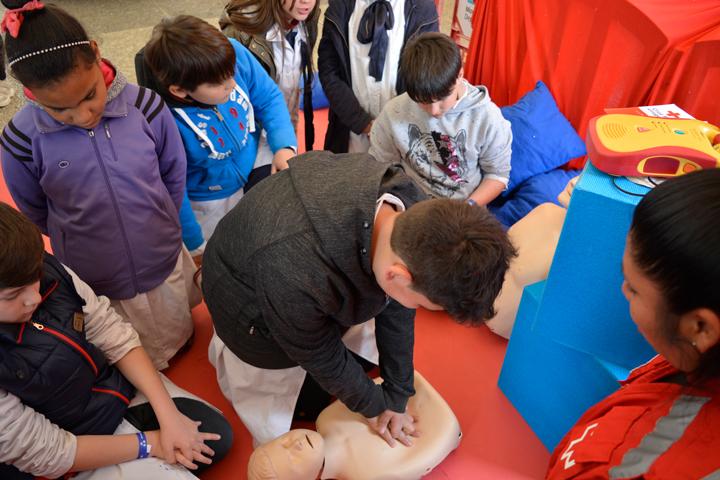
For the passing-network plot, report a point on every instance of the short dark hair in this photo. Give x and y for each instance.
(457, 254)
(21, 249)
(43, 29)
(675, 241)
(187, 51)
(429, 66)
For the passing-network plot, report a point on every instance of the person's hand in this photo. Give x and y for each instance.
(392, 426)
(280, 159)
(181, 441)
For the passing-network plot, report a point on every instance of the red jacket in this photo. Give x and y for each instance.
(646, 430)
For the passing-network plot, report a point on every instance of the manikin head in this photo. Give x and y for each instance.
(297, 455)
(443, 254)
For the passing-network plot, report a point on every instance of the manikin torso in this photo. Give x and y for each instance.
(351, 451)
(535, 237)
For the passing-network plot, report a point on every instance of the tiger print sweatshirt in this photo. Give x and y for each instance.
(448, 155)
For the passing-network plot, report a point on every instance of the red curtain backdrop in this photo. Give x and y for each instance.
(594, 54)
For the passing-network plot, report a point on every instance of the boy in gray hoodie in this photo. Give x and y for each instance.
(448, 134)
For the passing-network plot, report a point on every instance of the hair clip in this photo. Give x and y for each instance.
(12, 20)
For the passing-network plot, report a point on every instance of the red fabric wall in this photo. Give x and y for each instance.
(594, 54)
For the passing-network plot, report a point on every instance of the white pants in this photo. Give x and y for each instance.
(147, 468)
(265, 399)
(264, 154)
(162, 315)
(209, 212)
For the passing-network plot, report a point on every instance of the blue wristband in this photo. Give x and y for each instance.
(143, 451)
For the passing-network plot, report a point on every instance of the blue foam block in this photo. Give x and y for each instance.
(583, 307)
(549, 384)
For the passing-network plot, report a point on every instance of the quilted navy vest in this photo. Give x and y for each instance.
(50, 365)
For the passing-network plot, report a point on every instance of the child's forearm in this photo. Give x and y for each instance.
(487, 191)
(137, 367)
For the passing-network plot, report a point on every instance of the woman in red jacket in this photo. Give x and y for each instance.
(664, 422)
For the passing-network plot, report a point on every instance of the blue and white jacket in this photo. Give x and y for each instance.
(221, 142)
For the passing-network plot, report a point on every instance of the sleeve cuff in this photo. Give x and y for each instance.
(499, 178)
(376, 405)
(358, 126)
(199, 250)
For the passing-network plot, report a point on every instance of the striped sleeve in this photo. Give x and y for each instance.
(16, 143)
(21, 174)
(168, 143)
(149, 103)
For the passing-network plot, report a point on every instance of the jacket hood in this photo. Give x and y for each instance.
(475, 96)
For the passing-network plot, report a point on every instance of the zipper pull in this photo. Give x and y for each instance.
(39, 326)
(91, 133)
(107, 131)
(219, 115)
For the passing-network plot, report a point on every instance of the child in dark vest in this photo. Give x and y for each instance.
(78, 393)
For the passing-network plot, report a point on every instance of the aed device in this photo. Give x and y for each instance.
(636, 145)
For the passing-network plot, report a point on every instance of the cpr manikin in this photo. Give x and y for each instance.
(344, 447)
(535, 237)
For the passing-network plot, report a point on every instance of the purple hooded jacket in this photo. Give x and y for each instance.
(109, 197)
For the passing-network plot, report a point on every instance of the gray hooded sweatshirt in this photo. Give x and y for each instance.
(447, 156)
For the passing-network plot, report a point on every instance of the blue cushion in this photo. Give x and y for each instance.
(541, 188)
(319, 100)
(543, 139)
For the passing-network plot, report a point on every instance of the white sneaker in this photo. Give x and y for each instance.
(6, 94)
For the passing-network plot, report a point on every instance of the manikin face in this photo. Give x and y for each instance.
(441, 107)
(207, 93)
(647, 309)
(298, 10)
(18, 304)
(297, 455)
(78, 99)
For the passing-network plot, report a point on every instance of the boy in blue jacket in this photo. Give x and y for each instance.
(222, 99)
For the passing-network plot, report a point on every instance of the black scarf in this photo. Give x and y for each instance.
(377, 19)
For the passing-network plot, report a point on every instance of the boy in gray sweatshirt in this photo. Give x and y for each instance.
(451, 139)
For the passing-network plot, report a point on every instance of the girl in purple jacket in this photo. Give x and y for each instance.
(98, 165)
